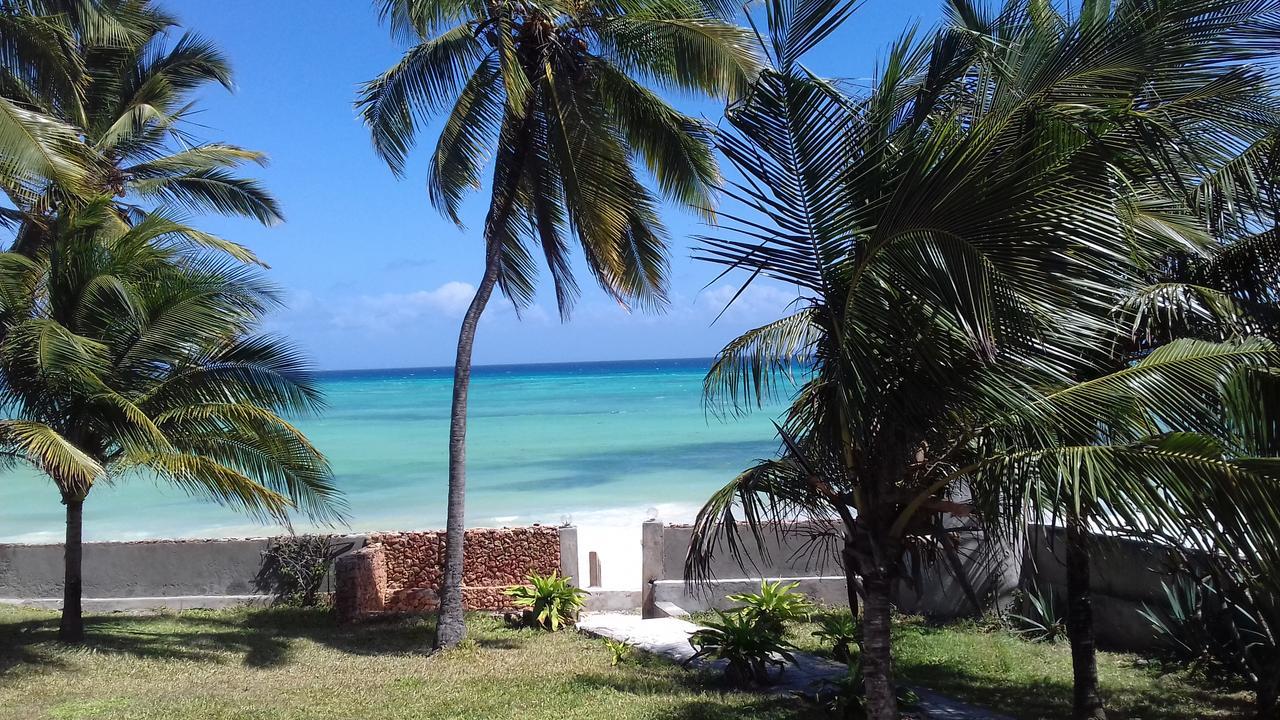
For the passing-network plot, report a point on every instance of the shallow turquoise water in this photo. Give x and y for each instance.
(585, 440)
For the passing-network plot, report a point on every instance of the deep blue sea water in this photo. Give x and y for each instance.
(597, 442)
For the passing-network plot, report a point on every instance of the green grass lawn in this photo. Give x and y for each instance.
(274, 664)
(995, 668)
(269, 664)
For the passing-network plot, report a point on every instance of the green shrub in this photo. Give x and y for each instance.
(742, 639)
(295, 567)
(1211, 624)
(549, 601)
(840, 632)
(774, 606)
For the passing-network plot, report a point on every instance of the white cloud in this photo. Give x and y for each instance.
(759, 300)
(390, 311)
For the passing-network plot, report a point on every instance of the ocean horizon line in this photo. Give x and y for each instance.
(503, 366)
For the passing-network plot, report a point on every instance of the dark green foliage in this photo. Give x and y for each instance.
(845, 698)
(295, 567)
(840, 632)
(1043, 622)
(1213, 624)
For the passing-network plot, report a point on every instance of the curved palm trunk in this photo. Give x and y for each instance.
(451, 625)
(1086, 699)
(877, 657)
(71, 627)
(512, 155)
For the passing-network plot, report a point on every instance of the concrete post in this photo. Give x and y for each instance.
(569, 554)
(650, 566)
(593, 568)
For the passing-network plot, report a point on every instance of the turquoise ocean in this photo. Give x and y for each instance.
(591, 443)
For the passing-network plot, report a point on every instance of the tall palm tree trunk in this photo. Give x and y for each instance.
(877, 660)
(71, 627)
(1086, 700)
(451, 624)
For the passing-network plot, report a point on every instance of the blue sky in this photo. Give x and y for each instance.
(373, 276)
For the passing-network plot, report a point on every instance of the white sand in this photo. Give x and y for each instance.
(615, 536)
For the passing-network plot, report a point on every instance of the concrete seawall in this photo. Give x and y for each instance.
(176, 574)
(182, 574)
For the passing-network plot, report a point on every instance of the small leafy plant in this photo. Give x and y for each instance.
(774, 606)
(749, 647)
(620, 651)
(840, 632)
(549, 601)
(1042, 623)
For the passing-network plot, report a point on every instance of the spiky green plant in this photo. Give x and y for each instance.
(558, 96)
(550, 600)
(775, 605)
(749, 646)
(840, 631)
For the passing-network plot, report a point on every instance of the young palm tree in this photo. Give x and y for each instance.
(129, 352)
(961, 235)
(555, 92)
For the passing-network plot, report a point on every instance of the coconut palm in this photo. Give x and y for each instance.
(960, 236)
(129, 352)
(1225, 292)
(126, 341)
(558, 94)
(38, 149)
(125, 89)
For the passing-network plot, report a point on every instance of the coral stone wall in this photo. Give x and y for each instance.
(495, 559)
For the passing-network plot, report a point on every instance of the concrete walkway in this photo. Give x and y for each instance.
(669, 638)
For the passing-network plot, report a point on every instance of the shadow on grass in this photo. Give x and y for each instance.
(1052, 698)
(257, 638)
(713, 688)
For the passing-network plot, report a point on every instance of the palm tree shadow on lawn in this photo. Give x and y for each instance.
(264, 638)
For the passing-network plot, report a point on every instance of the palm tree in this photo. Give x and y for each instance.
(126, 345)
(1220, 176)
(960, 236)
(129, 352)
(555, 92)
